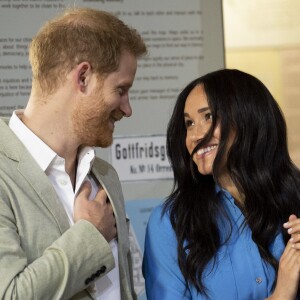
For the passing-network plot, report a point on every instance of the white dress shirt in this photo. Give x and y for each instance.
(108, 286)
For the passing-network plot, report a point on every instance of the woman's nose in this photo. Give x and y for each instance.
(197, 133)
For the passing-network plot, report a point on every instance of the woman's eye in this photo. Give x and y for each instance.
(208, 116)
(188, 123)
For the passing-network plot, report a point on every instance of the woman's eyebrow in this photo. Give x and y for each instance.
(200, 110)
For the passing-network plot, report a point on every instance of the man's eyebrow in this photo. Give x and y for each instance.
(125, 83)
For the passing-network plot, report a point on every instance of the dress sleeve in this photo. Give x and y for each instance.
(163, 277)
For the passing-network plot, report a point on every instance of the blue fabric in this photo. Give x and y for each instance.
(240, 272)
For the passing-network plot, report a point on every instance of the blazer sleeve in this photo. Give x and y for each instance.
(61, 271)
(163, 277)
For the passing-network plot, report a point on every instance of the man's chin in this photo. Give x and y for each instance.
(104, 143)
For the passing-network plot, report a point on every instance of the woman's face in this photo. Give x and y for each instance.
(198, 120)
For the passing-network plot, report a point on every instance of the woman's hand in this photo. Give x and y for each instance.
(293, 228)
(289, 264)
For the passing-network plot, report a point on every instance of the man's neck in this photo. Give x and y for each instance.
(52, 125)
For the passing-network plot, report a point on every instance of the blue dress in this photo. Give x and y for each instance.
(240, 273)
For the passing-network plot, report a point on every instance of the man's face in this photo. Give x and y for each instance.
(95, 115)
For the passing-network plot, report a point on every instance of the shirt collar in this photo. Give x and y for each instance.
(39, 150)
(225, 194)
(86, 155)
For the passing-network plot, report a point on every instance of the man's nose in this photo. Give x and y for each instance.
(126, 108)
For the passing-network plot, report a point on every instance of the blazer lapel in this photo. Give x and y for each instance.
(33, 174)
(107, 179)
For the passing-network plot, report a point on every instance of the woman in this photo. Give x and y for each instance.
(220, 233)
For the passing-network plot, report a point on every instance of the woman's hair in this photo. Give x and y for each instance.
(258, 163)
(80, 34)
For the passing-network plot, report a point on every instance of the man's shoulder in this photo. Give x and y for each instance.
(4, 120)
(4, 124)
(9, 143)
(11, 149)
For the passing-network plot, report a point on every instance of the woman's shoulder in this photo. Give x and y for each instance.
(159, 217)
(159, 228)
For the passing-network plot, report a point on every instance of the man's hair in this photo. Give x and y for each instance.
(80, 34)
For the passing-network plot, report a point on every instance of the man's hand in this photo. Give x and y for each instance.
(97, 211)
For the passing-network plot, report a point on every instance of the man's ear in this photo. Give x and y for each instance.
(83, 74)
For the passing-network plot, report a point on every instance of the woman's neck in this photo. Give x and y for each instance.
(227, 183)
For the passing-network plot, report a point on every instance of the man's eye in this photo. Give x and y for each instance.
(121, 91)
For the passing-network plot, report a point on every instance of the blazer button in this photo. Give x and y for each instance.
(102, 269)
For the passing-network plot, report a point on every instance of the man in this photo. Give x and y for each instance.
(63, 231)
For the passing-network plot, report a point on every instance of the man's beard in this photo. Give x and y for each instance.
(92, 125)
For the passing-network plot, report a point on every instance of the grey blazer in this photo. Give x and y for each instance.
(41, 256)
